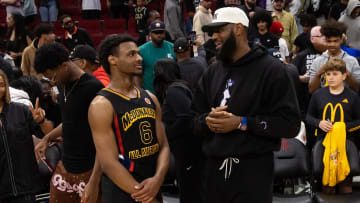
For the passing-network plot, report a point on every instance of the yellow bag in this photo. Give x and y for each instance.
(336, 165)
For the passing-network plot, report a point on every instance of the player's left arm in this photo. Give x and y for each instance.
(150, 186)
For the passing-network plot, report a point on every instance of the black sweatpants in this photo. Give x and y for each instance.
(189, 178)
(250, 180)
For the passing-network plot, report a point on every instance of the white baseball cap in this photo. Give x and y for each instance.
(225, 16)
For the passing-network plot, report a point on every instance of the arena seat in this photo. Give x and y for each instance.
(92, 26)
(291, 161)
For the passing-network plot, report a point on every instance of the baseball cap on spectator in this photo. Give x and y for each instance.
(157, 25)
(225, 16)
(181, 45)
(84, 52)
(276, 28)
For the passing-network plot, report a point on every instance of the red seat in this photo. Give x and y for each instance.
(58, 30)
(92, 26)
(112, 26)
(97, 38)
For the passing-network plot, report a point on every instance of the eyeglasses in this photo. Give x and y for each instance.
(318, 36)
(158, 32)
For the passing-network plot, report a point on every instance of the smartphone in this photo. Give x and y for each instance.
(192, 36)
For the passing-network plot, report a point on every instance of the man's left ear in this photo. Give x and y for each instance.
(237, 29)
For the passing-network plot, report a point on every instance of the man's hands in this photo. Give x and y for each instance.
(14, 55)
(148, 189)
(305, 78)
(40, 149)
(325, 126)
(221, 121)
(38, 113)
(90, 194)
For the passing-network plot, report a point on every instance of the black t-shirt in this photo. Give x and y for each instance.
(337, 10)
(79, 149)
(303, 62)
(349, 101)
(302, 41)
(268, 40)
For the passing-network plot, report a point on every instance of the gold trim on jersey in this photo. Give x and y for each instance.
(121, 95)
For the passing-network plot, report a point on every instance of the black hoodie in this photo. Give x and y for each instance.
(262, 91)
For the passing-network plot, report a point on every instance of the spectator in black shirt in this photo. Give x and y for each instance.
(73, 34)
(141, 16)
(176, 97)
(250, 8)
(302, 41)
(191, 69)
(262, 21)
(323, 118)
(303, 62)
(118, 8)
(77, 89)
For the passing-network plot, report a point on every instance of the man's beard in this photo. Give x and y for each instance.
(278, 9)
(227, 49)
(158, 43)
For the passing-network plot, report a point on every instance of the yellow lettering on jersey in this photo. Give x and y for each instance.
(135, 154)
(130, 117)
(345, 101)
(145, 151)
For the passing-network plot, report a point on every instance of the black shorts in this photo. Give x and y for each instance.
(111, 193)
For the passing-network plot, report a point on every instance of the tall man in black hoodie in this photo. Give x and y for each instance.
(246, 103)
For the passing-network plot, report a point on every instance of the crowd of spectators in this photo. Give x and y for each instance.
(176, 51)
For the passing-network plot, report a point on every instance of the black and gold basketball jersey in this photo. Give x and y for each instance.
(135, 132)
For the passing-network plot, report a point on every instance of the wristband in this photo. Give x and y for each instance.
(244, 122)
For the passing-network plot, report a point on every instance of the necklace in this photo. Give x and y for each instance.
(72, 88)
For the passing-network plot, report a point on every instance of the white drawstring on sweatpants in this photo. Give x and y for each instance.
(227, 164)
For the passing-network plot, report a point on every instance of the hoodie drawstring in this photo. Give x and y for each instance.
(227, 164)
